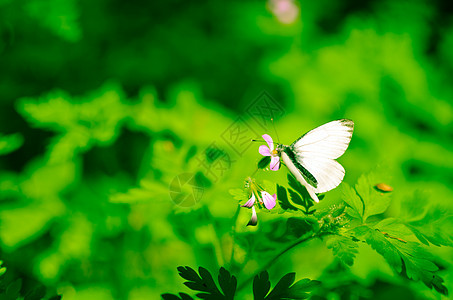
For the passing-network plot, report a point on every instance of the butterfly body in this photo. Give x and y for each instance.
(311, 158)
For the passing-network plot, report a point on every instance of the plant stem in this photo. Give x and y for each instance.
(273, 260)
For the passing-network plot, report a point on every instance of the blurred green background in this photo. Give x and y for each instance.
(106, 104)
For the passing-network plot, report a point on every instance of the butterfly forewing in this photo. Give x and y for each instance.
(317, 150)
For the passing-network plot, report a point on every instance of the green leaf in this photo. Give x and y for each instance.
(282, 198)
(430, 223)
(301, 288)
(344, 248)
(353, 200)
(295, 198)
(374, 202)
(394, 228)
(205, 283)
(285, 289)
(406, 258)
(261, 286)
(227, 283)
(281, 288)
(264, 162)
(293, 183)
(182, 296)
(239, 194)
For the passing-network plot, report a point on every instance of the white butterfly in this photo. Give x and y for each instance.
(311, 158)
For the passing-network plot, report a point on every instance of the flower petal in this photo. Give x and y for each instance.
(269, 201)
(250, 202)
(254, 219)
(269, 141)
(264, 150)
(275, 163)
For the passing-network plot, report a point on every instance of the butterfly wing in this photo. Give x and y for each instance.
(317, 150)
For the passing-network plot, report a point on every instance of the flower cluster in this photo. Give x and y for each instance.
(259, 197)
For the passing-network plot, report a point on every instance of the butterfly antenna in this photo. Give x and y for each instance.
(273, 125)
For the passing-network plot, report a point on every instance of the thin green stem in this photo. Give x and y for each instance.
(275, 258)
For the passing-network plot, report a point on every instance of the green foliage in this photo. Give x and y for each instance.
(409, 258)
(364, 201)
(285, 288)
(389, 237)
(298, 195)
(282, 198)
(239, 194)
(88, 180)
(343, 247)
(205, 283)
(430, 223)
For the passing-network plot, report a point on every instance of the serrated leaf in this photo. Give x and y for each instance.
(418, 263)
(301, 288)
(294, 184)
(282, 198)
(188, 273)
(430, 223)
(374, 202)
(282, 286)
(353, 200)
(344, 248)
(295, 198)
(205, 283)
(393, 228)
(379, 243)
(284, 289)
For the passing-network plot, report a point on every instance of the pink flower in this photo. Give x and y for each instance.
(268, 199)
(250, 202)
(270, 151)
